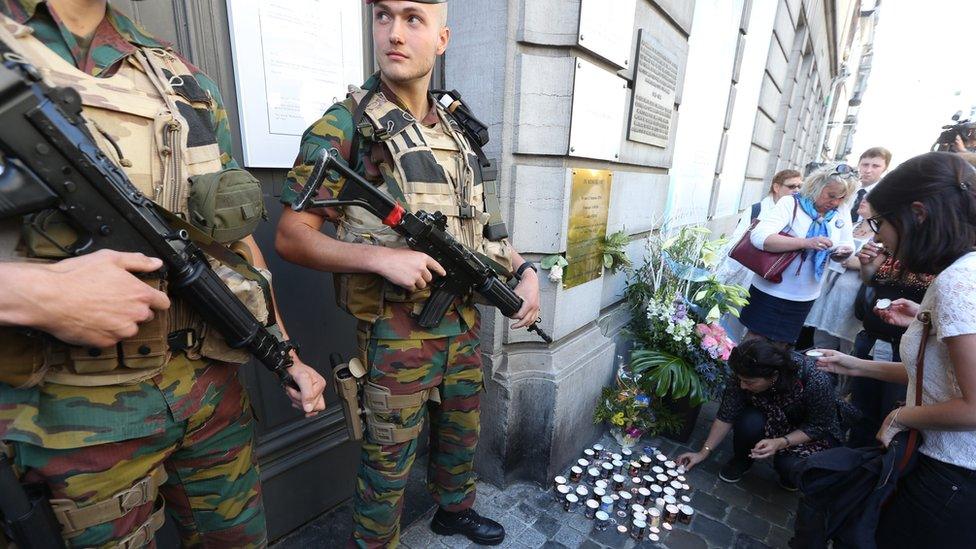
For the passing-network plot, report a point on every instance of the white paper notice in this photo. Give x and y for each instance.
(292, 60)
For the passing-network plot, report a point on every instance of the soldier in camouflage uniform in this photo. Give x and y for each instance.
(124, 417)
(426, 165)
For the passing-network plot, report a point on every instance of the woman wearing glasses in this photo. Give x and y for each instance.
(927, 218)
(832, 315)
(812, 224)
(884, 277)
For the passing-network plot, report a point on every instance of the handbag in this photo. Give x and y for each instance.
(769, 265)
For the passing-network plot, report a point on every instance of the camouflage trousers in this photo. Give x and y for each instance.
(212, 492)
(408, 366)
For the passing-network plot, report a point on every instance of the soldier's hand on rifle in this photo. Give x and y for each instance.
(407, 268)
(312, 398)
(94, 300)
(528, 290)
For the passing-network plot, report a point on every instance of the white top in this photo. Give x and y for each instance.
(803, 286)
(951, 300)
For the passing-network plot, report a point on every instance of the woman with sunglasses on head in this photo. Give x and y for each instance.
(785, 184)
(832, 316)
(777, 405)
(811, 223)
(926, 216)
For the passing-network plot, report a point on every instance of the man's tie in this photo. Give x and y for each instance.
(857, 204)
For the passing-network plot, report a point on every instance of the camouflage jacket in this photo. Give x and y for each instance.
(59, 416)
(335, 130)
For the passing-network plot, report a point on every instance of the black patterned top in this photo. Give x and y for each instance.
(808, 404)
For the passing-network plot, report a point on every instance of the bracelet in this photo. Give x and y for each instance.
(706, 448)
(894, 419)
(787, 439)
(525, 265)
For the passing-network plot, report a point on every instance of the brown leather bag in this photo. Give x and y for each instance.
(769, 265)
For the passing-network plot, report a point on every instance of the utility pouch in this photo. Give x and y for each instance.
(348, 382)
(227, 205)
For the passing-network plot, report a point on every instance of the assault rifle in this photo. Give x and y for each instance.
(51, 163)
(424, 232)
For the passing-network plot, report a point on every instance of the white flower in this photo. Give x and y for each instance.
(556, 273)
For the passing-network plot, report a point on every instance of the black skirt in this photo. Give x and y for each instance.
(775, 318)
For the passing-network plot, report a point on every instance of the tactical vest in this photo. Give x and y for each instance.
(433, 169)
(154, 121)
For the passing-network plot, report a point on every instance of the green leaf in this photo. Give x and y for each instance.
(607, 261)
(666, 374)
(549, 261)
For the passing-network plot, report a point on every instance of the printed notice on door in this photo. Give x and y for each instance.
(655, 83)
(292, 60)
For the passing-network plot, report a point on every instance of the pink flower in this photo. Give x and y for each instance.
(634, 432)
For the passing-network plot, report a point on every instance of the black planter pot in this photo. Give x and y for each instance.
(689, 415)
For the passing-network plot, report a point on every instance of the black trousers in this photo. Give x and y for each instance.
(875, 399)
(747, 431)
(934, 506)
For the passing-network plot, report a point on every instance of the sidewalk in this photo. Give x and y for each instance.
(754, 513)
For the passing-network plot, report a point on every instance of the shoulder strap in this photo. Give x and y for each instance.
(357, 119)
(913, 436)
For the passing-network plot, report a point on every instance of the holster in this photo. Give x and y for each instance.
(348, 387)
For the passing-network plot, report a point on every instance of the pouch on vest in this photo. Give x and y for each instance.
(22, 362)
(251, 295)
(227, 205)
(129, 361)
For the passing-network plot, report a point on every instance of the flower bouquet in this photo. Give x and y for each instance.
(680, 350)
(631, 412)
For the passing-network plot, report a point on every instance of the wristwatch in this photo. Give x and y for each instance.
(525, 265)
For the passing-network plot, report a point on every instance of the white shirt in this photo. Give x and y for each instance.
(951, 300)
(802, 286)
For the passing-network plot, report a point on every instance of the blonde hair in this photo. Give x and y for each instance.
(815, 183)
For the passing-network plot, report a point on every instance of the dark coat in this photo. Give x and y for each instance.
(844, 490)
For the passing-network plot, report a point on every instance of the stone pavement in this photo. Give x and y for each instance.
(752, 514)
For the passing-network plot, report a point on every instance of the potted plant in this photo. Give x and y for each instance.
(680, 350)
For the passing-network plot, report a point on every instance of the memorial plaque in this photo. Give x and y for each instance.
(655, 84)
(599, 108)
(606, 29)
(589, 206)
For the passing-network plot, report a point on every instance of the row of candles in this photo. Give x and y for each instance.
(645, 494)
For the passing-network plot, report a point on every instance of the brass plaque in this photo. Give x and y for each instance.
(589, 205)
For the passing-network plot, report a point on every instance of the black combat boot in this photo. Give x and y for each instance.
(470, 524)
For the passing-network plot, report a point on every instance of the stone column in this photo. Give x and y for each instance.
(514, 62)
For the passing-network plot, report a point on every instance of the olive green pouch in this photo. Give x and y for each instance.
(227, 205)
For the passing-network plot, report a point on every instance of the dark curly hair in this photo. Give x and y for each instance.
(760, 357)
(945, 185)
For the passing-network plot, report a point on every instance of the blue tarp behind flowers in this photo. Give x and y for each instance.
(685, 271)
